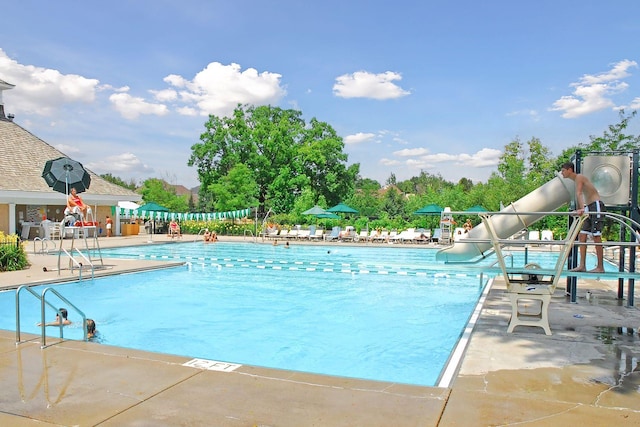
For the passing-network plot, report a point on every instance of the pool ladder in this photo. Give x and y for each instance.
(43, 301)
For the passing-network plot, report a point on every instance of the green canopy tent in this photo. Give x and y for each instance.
(151, 207)
(154, 207)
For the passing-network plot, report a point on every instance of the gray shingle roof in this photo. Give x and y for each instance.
(23, 158)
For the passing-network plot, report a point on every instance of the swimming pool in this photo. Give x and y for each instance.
(378, 313)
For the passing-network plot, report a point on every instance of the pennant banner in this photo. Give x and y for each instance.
(182, 216)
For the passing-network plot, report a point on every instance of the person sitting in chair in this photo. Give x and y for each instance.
(174, 229)
(76, 206)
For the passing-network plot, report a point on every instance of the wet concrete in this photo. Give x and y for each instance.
(586, 373)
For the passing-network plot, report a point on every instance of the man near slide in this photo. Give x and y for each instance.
(588, 201)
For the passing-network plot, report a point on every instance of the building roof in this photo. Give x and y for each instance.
(21, 182)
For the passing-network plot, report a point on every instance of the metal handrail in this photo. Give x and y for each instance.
(70, 304)
(43, 240)
(75, 262)
(35, 294)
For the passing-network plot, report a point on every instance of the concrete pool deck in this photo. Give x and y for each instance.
(586, 373)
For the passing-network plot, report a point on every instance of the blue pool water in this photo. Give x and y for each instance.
(380, 313)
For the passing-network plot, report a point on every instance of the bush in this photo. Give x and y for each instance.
(12, 254)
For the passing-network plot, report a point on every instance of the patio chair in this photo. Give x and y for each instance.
(273, 234)
(334, 235)
(422, 236)
(349, 234)
(317, 235)
(382, 237)
(362, 237)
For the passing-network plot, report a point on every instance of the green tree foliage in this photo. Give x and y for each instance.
(284, 154)
(235, 190)
(131, 185)
(615, 139)
(158, 191)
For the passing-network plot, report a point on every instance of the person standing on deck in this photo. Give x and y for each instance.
(587, 201)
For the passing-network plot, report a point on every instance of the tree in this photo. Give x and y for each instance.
(158, 191)
(131, 185)
(236, 190)
(283, 154)
(615, 139)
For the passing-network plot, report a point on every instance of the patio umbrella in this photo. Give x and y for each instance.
(342, 208)
(63, 173)
(476, 208)
(328, 215)
(316, 210)
(431, 209)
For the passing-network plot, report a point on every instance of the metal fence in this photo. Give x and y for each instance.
(10, 242)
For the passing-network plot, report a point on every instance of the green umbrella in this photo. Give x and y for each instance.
(342, 208)
(476, 208)
(328, 215)
(316, 210)
(431, 209)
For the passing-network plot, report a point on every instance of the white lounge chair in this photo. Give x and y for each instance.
(317, 235)
(334, 235)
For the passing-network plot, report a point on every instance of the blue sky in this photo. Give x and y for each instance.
(126, 86)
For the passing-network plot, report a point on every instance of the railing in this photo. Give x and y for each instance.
(255, 239)
(626, 223)
(43, 301)
(66, 301)
(74, 263)
(44, 245)
(264, 220)
(200, 234)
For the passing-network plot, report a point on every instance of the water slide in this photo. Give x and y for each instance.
(547, 198)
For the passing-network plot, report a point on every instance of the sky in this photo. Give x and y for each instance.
(125, 87)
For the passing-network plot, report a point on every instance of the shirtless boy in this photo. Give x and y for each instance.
(588, 201)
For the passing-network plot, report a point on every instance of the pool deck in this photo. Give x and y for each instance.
(586, 373)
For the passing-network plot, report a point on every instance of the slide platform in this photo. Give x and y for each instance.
(547, 198)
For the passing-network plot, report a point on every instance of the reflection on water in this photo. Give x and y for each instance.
(623, 343)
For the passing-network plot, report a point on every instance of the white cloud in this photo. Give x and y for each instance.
(419, 159)
(121, 164)
(131, 107)
(42, 90)
(592, 92)
(410, 152)
(166, 95)
(363, 84)
(359, 138)
(219, 88)
(69, 150)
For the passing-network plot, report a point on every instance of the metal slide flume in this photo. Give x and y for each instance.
(547, 198)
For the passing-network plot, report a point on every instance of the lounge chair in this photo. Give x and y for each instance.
(317, 235)
(422, 236)
(303, 234)
(349, 234)
(293, 234)
(273, 234)
(408, 236)
(382, 237)
(362, 237)
(392, 236)
(334, 235)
